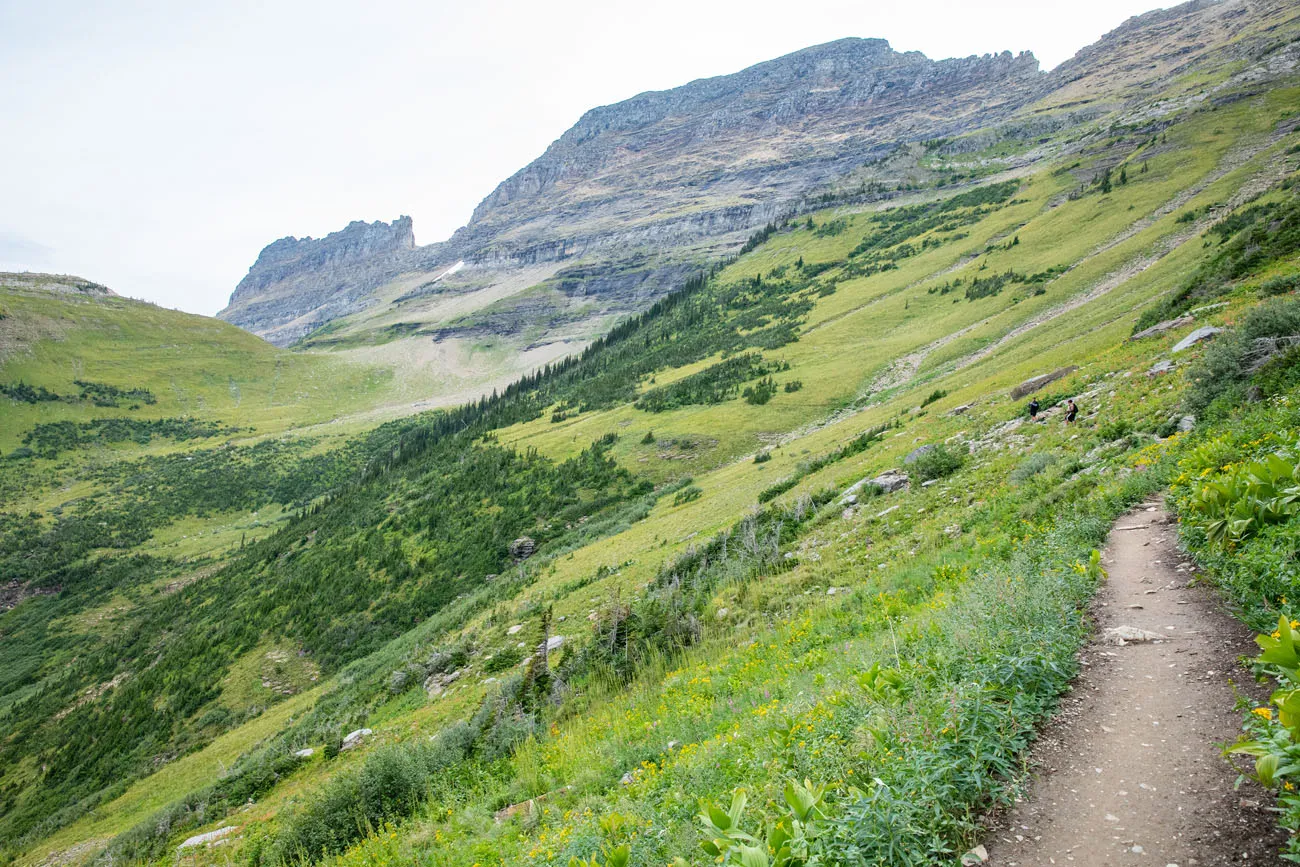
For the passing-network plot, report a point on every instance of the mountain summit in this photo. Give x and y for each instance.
(646, 187)
(638, 195)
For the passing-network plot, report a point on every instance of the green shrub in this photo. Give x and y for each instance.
(1031, 466)
(937, 394)
(771, 492)
(1114, 430)
(760, 392)
(1280, 285)
(763, 457)
(504, 659)
(937, 463)
(1223, 372)
(689, 494)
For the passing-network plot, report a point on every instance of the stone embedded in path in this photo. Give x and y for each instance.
(1122, 635)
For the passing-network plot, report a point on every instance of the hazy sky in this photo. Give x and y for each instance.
(157, 147)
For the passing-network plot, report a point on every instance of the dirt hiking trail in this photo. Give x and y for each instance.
(1130, 772)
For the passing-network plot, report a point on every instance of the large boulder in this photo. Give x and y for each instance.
(1196, 337)
(1161, 367)
(1161, 327)
(434, 684)
(355, 738)
(887, 482)
(522, 548)
(1029, 386)
(209, 837)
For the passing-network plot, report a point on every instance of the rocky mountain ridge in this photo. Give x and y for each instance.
(677, 177)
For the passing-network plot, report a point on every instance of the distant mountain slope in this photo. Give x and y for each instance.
(636, 194)
(92, 357)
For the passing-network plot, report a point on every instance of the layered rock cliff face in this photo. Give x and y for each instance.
(298, 284)
(772, 131)
(679, 176)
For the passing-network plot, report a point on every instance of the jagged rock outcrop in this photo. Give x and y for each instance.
(297, 284)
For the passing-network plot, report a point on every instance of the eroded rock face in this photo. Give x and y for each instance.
(637, 194)
(820, 111)
(522, 548)
(297, 284)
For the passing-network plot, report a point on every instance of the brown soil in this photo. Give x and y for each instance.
(1131, 771)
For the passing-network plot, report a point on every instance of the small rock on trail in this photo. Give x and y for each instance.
(1130, 771)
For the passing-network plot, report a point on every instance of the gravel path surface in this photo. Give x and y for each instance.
(1130, 773)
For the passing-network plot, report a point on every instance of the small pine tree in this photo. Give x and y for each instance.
(1123, 175)
(1105, 183)
(1144, 168)
(648, 439)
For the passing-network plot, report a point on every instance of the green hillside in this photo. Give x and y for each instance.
(647, 576)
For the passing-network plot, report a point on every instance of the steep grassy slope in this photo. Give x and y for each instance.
(683, 481)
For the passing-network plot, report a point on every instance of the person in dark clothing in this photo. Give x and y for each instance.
(1071, 411)
(1033, 409)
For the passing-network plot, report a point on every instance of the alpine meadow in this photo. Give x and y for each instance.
(688, 506)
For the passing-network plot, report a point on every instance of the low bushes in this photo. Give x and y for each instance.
(937, 463)
(1219, 379)
(1238, 497)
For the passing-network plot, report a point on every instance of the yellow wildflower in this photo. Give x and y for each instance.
(1263, 712)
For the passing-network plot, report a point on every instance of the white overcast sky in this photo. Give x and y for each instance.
(156, 147)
